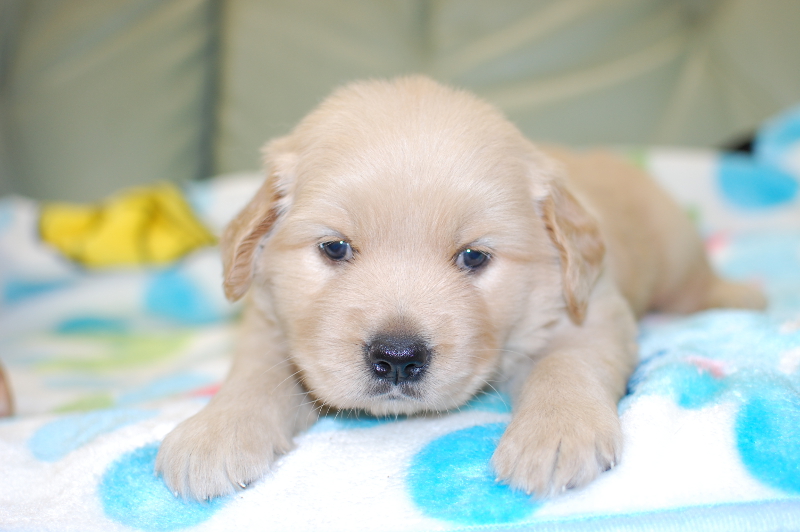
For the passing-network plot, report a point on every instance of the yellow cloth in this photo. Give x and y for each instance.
(140, 226)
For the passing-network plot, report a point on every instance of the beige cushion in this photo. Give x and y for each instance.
(687, 72)
(281, 57)
(105, 94)
(96, 95)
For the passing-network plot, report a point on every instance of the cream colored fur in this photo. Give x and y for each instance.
(411, 173)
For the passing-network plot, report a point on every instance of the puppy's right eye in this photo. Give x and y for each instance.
(338, 250)
(472, 260)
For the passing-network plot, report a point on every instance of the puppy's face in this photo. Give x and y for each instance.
(398, 245)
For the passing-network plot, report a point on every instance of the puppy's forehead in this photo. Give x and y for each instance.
(408, 123)
(424, 156)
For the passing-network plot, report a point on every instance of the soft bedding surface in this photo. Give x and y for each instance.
(104, 363)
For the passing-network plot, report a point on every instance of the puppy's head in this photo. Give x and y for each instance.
(406, 234)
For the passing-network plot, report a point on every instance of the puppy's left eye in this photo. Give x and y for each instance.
(338, 250)
(472, 259)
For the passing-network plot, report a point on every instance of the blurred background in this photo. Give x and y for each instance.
(96, 95)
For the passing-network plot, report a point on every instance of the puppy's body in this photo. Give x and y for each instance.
(654, 252)
(408, 246)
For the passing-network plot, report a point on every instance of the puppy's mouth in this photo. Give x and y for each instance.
(395, 392)
(388, 399)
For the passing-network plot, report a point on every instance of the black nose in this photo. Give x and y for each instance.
(398, 358)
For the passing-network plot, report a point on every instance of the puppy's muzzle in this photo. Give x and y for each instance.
(398, 359)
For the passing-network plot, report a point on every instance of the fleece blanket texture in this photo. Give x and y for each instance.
(105, 363)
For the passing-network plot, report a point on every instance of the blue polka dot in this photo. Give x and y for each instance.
(134, 496)
(351, 419)
(690, 386)
(173, 294)
(697, 387)
(778, 137)
(451, 479)
(750, 186)
(91, 325)
(16, 290)
(768, 436)
(56, 439)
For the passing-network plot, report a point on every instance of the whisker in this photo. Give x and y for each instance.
(282, 361)
(287, 378)
(300, 407)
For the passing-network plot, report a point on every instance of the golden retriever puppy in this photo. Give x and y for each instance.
(408, 246)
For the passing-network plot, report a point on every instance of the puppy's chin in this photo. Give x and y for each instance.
(393, 404)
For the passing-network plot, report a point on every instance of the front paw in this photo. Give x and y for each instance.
(546, 451)
(218, 451)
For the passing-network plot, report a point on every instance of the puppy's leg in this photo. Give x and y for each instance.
(247, 424)
(565, 429)
(699, 288)
(727, 294)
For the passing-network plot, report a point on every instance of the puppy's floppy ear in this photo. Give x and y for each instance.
(576, 236)
(243, 235)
